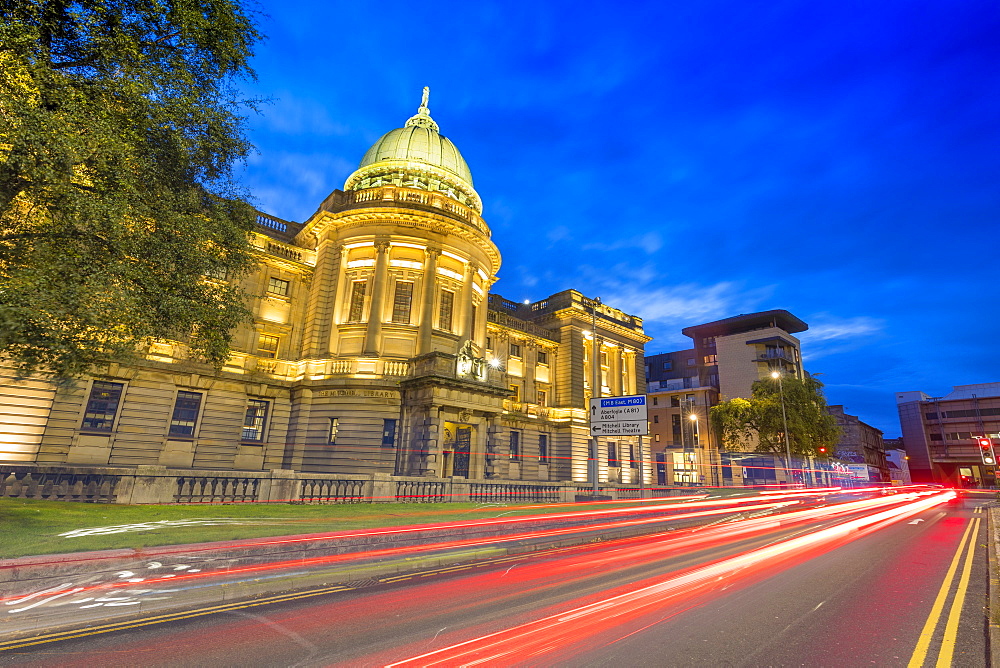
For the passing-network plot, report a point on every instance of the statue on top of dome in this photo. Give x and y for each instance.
(423, 116)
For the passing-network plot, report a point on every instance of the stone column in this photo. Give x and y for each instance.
(628, 372)
(341, 304)
(435, 434)
(483, 317)
(495, 452)
(618, 367)
(375, 313)
(432, 253)
(613, 372)
(467, 302)
(322, 300)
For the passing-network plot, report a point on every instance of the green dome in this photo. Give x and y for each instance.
(419, 142)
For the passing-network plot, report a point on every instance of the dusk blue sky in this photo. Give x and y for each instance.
(690, 161)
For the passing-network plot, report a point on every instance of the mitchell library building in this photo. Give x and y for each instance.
(376, 347)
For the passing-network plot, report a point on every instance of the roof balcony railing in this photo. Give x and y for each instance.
(776, 354)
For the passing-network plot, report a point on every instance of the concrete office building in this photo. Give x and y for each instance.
(939, 434)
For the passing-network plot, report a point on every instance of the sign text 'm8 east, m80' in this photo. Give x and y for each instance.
(619, 416)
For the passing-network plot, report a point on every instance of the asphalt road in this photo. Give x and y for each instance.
(819, 591)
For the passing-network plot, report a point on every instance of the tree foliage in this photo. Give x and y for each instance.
(756, 423)
(119, 131)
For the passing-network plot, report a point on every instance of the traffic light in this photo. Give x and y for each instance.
(986, 450)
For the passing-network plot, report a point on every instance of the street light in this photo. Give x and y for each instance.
(784, 423)
(595, 388)
(696, 438)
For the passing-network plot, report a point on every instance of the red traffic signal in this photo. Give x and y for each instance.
(986, 450)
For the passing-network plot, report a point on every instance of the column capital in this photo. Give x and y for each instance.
(382, 244)
(433, 251)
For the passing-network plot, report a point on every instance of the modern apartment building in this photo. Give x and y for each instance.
(727, 357)
(940, 434)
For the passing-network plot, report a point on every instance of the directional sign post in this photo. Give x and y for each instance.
(619, 416)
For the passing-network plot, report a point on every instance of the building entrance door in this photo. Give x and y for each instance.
(463, 448)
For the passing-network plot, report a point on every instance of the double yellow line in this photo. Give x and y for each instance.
(968, 546)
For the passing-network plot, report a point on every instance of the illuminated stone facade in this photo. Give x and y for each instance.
(376, 348)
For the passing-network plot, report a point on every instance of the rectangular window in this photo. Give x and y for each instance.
(357, 310)
(604, 358)
(936, 437)
(668, 365)
(655, 402)
(632, 463)
(276, 286)
(489, 343)
(711, 359)
(515, 445)
(543, 357)
(612, 453)
(102, 406)
(516, 393)
(691, 361)
(515, 350)
(542, 398)
(675, 401)
(543, 448)
(185, 415)
(256, 418)
(445, 310)
(267, 345)
(656, 437)
(334, 426)
(388, 433)
(401, 302)
(656, 419)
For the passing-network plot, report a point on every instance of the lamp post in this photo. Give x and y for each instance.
(595, 385)
(695, 438)
(784, 424)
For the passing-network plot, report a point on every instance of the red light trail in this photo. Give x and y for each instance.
(527, 642)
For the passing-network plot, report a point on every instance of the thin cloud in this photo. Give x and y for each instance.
(667, 309)
(833, 336)
(649, 242)
(829, 329)
(290, 115)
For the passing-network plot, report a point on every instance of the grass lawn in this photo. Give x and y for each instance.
(30, 527)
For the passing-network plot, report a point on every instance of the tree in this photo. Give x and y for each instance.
(756, 423)
(119, 130)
